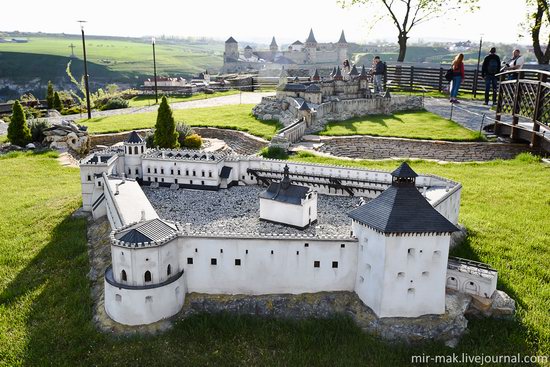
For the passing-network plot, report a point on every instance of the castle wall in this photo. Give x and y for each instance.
(469, 283)
(167, 171)
(294, 215)
(289, 269)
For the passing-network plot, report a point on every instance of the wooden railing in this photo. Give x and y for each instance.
(525, 94)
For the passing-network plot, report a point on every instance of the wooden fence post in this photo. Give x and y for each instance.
(412, 78)
(440, 85)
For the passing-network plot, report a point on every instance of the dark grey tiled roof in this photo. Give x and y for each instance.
(311, 37)
(225, 172)
(297, 43)
(363, 71)
(404, 171)
(402, 209)
(338, 73)
(149, 231)
(304, 107)
(285, 192)
(273, 42)
(316, 75)
(231, 40)
(99, 159)
(354, 71)
(294, 87)
(248, 47)
(284, 60)
(342, 38)
(313, 88)
(134, 138)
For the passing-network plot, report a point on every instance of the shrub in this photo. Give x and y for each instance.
(184, 131)
(18, 130)
(57, 102)
(37, 127)
(73, 110)
(274, 152)
(49, 95)
(114, 103)
(193, 141)
(166, 135)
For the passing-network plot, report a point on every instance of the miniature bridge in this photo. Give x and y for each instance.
(523, 108)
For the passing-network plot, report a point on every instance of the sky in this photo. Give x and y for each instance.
(257, 20)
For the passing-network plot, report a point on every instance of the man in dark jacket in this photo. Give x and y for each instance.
(490, 67)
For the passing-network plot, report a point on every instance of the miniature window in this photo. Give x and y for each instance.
(155, 170)
(142, 148)
(137, 171)
(297, 252)
(437, 254)
(221, 251)
(176, 180)
(89, 178)
(246, 252)
(194, 173)
(148, 170)
(162, 170)
(136, 151)
(237, 262)
(169, 270)
(243, 177)
(410, 291)
(190, 182)
(123, 276)
(98, 183)
(202, 183)
(425, 273)
(196, 250)
(162, 179)
(179, 172)
(147, 276)
(187, 172)
(118, 298)
(400, 275)
(271, 252)
(171, 171)
(210, 174)
(411, 252)
(306, 244)
(213, 261)
(190, 260)
(334, 264)
(316, 264)
(149, 299)
(129, 171)
(343, 245)
(202, 173)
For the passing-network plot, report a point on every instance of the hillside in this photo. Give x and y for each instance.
(110, 60)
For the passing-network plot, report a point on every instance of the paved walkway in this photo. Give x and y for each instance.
(243, 98)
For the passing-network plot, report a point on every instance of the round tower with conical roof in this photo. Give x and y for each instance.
(310, 48)
(273, 47)
(403, 250)
(342, 47)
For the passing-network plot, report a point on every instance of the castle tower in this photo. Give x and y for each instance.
(316, 76)
(283, 78)
(273, 47)
(342, 46)
(338, 74)
(310, 48)
(247, 52)
(403, 250)
(364, 80)
(134, 147)
(231, 53)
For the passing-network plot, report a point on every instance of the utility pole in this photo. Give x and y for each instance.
(155, 71)
(86, 81)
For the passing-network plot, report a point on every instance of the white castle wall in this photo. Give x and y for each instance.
(473, 284)
(289, 269)
(294, 215)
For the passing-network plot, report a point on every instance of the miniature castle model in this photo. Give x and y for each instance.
(297, 55)
(395, 255)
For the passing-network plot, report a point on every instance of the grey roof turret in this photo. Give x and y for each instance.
(134, 138)
(338, 74)
(401, 208)
(354, 71)
(304, 107)
(248, 47)
(311, 37)
(273, 42)
(342, 38)
(316, 76)
(231, 40)
(285, 191)
(333, 72)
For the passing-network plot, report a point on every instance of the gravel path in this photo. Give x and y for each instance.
(237, 210)
(3, 128)
(244, 98)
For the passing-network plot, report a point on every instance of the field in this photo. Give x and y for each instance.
(110, 59)
(414, 125)
(236, 117)
(149, 100)
(46, 308)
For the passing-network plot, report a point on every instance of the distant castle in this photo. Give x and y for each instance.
(298, 55)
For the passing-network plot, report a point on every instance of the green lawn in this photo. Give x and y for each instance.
(46, 307)
(236, 117)
(147, 100)
(414, 125)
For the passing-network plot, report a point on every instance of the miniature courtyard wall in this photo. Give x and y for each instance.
(299, 216)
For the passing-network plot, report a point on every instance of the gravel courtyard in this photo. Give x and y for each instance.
(238, 209)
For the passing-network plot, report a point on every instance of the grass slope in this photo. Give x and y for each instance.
(414, 125)
(149, 100)
(127, 59)
(236, 117)
(46, 310)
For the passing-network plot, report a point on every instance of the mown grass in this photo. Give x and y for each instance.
(235, 117)
(46, 308)
(149, 100)
(413, 125)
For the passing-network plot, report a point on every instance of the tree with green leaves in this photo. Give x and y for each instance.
(538, 24)
(57, 102)
(166, 135)
(18, 130)
(49, 95)
(406, 14)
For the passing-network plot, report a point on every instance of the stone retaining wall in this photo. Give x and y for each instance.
(369, 147)
(240, 142)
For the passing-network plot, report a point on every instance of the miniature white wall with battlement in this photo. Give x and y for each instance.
(473, 279)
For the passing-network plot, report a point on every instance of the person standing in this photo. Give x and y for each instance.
(516, 62)
(378, 74)
(458, 76)
(489, 70)
(346, 68)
